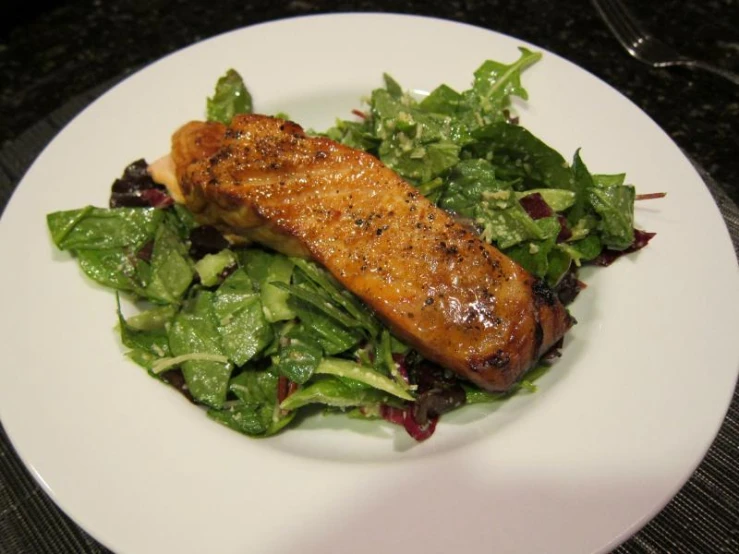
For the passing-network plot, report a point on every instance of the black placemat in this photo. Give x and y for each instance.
(702, 518)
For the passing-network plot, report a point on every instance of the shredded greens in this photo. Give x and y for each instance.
(255, 336)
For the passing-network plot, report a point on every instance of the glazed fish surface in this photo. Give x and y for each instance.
(454, 298)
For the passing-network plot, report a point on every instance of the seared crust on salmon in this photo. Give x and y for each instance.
(457, 300)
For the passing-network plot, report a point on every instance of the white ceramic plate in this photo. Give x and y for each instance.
(615, 430)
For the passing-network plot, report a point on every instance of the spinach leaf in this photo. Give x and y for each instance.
(98, 228)
(608, 180)
(230, 98)
(256, 413)
(171, 267)
(392, 87)
(474, 192)
(559, 263)
(116, 268)
(153, 319)
(182, 219)
(518, 155)
(194, 331)
(148, 342)
(299, 356)
(584, 227)
(211, 266)
(241, 322)
(274, 299)
(265, 269)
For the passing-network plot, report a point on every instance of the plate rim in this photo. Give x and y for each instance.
(9, 206)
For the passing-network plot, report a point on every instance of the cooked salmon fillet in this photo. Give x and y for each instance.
(457, 300)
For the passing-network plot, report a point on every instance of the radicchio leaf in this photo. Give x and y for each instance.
(608, 256)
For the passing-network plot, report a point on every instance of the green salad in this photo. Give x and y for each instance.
(259, 338)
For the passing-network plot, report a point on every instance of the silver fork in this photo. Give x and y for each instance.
(643, 46)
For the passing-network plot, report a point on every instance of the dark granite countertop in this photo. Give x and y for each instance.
(48, 58)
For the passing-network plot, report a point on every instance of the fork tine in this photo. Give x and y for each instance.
(628, 20)
(627, 31)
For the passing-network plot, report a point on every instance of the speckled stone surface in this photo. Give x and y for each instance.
(78, 45)
(82, 43)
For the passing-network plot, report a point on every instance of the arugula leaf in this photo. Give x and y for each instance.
(506, 222)
(486, 102)
(355, 134)
(320, 301)
(581, 184)
(474, 395)
(418, 162)
(418, 145)
(342, 298)
(333, 392)
(385, 358)
(447, 101)
(557, 199)
(614, 203)
(496, 82)
(432, 189)
(333, 337)
(467, 182)
(582, 250)
(363, 374)
(274, 300)
(230, 98)
(534, 255)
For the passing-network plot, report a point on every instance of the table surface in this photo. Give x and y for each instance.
(54, 64)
